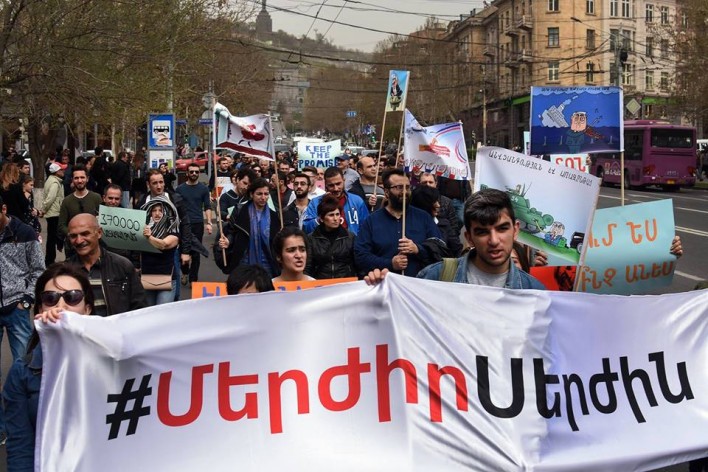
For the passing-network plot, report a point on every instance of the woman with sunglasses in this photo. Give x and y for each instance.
(62, 287)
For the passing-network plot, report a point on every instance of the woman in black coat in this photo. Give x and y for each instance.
(331, 251)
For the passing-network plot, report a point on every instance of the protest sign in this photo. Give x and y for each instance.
(250, 135)
(573, 120)
(409, 377)
(318, 154)
(553, 204)
(438, 149)
(397, 90)
(216, 289)
(628, 249)
(560, 278)
(222, 185)
(580, 162)
(123, 228)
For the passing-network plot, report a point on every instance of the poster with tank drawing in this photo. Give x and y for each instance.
(574, 120)
(553, 203)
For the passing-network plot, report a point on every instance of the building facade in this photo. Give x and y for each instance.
(512, 45)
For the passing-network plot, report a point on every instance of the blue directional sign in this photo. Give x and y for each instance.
(351, 114)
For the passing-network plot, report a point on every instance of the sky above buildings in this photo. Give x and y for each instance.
(310, 17)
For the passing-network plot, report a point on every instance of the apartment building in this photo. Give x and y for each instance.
(520, 43)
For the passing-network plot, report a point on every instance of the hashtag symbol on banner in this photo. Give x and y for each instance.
(122, 411)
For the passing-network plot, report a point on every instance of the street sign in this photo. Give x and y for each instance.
(351, 114)
(205, 121)
(181, 122)
(633, 106)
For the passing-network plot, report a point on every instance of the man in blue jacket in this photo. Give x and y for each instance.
(351, 207)
(382, 242)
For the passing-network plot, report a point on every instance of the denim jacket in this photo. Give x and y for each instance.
(21, 396)
(516, 278)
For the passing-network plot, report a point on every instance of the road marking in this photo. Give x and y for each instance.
(638, 201)
(697, 232)
(688, 276)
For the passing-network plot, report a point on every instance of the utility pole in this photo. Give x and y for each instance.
(484, 106)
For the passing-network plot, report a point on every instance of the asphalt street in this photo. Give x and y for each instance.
(690, 213)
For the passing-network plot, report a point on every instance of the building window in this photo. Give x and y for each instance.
(613, 73)
(614, 39)
(664, 48)
(553, 5)
(590, 72)
(649, 13)
(649, 80)
(627, 41)
(684, 20)
(590, 7)
(553, 71)
(590, 39)
(650, 46)
(553, 37)
(626, 10)
(613, 8)
(664, 84)
(664, 15)
(628, 74)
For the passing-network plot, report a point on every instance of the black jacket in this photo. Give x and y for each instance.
(238, 231)
(120, 174)
(327, 259)
(121, 285)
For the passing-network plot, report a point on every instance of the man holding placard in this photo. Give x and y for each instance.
(114, 280)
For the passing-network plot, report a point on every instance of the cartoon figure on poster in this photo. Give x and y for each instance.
(161, 131)
(397, 90)
(573, 120)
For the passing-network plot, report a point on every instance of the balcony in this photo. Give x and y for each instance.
(489, 50)
(525, 56)
(512, 60)
(525, 22)
(510, 29)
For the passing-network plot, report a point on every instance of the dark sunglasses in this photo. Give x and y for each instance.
(71, 297)
(193, 172)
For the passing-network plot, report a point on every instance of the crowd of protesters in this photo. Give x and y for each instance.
(272, 221)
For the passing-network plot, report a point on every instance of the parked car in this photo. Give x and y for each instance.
(199, 158)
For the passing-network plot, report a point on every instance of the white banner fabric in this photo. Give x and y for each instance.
(411, 375)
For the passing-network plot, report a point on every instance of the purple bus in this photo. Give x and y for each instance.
(655, 153)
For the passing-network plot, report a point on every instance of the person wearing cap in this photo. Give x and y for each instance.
(51, 204)
(350, 175)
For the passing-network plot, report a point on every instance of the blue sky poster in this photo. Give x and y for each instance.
(397, 90)
(574, 120)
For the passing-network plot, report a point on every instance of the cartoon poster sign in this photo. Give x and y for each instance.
(628, 249)
(161, 131)
(575, 120)
(553, 204)
(397, 90)
(250, 135)
(438, 149)
(576, 161)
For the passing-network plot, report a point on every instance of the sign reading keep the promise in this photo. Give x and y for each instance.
(123, 228)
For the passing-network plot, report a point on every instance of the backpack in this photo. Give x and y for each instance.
(449, 269)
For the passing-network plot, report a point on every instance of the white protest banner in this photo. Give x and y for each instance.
(250, 135)
(438, 149)
(309, 381)
(222, 185)
(123, 228)
(628, 249)
(553, 204)
(319, 155)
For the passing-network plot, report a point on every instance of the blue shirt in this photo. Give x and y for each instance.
(377, 241)
(197, 199)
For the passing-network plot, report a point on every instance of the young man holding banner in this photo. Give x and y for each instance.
(490, 229)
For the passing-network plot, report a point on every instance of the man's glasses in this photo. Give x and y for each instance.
(193, 172)
(300, 184)
(71, 297)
